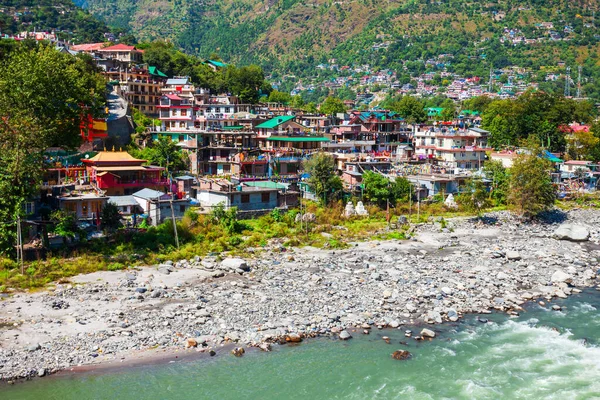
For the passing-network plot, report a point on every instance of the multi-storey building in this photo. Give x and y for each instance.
(141, 87)
(117, 173)
(452, 146)
(123, 53)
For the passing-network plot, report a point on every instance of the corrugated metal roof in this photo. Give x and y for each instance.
(275, 122)
(148, 194)
(178, 81)
(122, 201)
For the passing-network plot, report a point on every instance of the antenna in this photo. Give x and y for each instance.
(568, 82)
(579, 82)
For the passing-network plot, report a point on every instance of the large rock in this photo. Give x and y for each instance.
(427, 333)
(238, 351)
(559, 276)
(345, 335)
(401, 355)
(572, 232)
(293, 338)
(234, 264)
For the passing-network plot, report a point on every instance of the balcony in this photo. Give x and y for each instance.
(135, 183)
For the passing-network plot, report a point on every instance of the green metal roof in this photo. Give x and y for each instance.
(233, 128)
(275, 122)
(155, 71)
(217, 63)
(434, 111)
(298, 139)
(267, 184)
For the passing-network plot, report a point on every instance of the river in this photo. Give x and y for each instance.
(542, 354)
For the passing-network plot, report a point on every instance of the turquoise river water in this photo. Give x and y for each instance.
(542, 354)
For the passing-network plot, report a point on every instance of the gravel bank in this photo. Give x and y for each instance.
(448, 269)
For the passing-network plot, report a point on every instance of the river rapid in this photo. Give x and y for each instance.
(542, 354)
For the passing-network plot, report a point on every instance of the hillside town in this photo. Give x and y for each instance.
(250, 156)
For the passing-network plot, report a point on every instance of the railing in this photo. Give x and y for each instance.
(135, 183)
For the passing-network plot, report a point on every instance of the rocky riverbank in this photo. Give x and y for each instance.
(447, 269)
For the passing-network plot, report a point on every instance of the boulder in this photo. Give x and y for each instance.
(513, 255)
(589, 274)
(265, 346)
(452, 315)
(345, 335)
(238, 351)
(309, 217)
(191, 342)
(235, 264)
(572, 232)
(559, 277)
(293, 338)
(401, 355)
(427, 333)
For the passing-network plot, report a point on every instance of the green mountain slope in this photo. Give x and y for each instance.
(61, 16)
(292, 36)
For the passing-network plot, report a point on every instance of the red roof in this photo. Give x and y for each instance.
(173, 97)
(87, 47)
(119, 47)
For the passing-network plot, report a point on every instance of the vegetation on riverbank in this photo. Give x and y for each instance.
(201, 234)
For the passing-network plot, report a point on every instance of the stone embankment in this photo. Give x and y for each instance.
(282, 295)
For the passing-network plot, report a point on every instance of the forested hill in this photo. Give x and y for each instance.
(61, 16)
(293, 36)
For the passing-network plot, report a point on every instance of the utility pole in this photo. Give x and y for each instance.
(20, 245)
(418, 202)
(174, 222)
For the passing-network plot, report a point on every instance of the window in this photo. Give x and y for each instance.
(468, 165)
(183, 113)
(226, 168)
(245, 198)
(30, 207)
(181, 209)
(265, 197)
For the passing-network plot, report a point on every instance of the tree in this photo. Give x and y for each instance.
(581, 144)
(376, 188)
(379, 189)
(332, 105)
(323, 179)
(495, 171)
(165, 153)
(65, 224)
(111, 218)
(245, 82)
(531, 190)
(279, 97)
(475, 195)
(43, 95)
(411, 109)
(401, 189)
